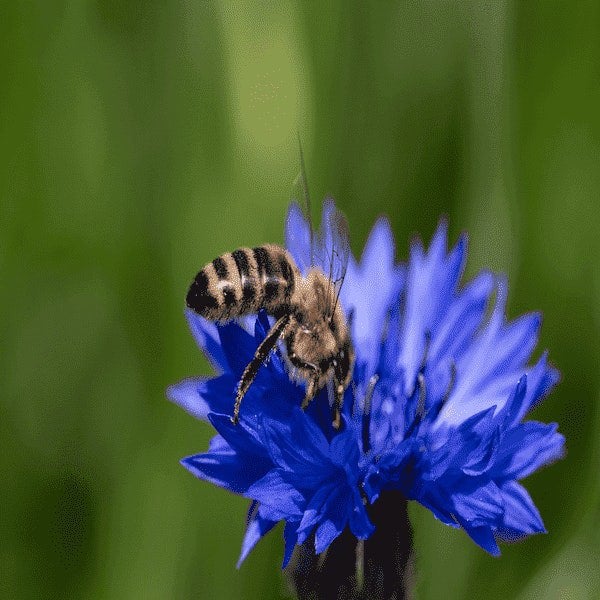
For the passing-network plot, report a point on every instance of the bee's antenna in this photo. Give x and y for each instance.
(303, 179)
(306, 197)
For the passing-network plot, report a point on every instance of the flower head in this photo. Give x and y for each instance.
(435, 409)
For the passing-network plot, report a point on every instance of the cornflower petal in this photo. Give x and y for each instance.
(226, 470)
(520, 517)
(257, 527)
(199, 396)
(206, 335)
(527, 447)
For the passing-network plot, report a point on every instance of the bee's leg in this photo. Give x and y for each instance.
(260, 355)
(311, 392)
(338, 401)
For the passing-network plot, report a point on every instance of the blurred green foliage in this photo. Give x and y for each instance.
(141, 139)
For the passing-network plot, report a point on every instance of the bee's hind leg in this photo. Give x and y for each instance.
(250, 372)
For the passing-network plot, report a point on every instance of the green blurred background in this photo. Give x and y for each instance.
(141, 139)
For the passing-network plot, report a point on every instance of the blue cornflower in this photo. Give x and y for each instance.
(435, 410)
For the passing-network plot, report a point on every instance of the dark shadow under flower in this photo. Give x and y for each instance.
(434, 413)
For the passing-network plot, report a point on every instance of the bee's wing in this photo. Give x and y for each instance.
(331, 249)
(328, 249)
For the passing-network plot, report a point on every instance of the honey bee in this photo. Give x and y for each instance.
(306, 308)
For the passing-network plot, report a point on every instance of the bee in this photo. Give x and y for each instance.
(308, 315)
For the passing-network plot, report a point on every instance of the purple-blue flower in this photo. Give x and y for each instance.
(440, 389)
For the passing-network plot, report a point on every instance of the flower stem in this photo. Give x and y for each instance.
(379, 567)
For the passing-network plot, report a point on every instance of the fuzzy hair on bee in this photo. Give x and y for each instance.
(309, 317)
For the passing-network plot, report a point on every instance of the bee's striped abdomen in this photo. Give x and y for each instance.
(244, 281)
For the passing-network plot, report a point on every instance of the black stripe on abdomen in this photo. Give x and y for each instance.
(229, 296)
(271, 289)
(198, 297)
(265, 265)
(268, 274)
(248, 294)
(242, 262)
(220, 267)
(288, 274)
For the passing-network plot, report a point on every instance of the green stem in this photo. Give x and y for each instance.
(377, 568)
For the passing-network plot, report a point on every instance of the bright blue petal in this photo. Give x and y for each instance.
(526, 448)
(521, 517)
(482, 458)
(437, 500)
(454, 447)
(186, 394)
(462, 320)
(240, 437)
(483, 536)
(297, 446)
(207, 337)
(238, 346)
(514, 404)
(517, 342)
(291, 539)
(431, 285)
(360, 525)
(313, 512)
(478, 505)
(336, 512)
(277, 497)
(369, 303)
(257, 528)
(344, 451)
(540, 380)
(326, 532)
(226, 469)
(199, 396)
(495, 360)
